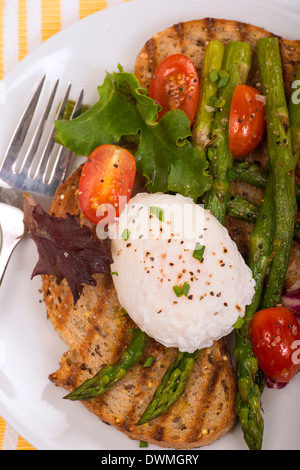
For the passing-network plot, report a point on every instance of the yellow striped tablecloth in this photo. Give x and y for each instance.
(24, 25)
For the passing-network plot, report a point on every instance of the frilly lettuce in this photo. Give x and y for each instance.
(165, 156)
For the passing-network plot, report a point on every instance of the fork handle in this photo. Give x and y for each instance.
(11, 233)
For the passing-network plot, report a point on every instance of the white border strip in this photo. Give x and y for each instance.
(34, 24)
(69, 12)
(10, 35)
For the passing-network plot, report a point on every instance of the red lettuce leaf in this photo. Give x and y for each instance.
(275, 385)
(291, 299)
(66, 249)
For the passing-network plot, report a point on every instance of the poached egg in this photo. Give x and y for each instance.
(177, 272)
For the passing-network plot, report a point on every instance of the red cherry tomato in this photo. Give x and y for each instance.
(246, 121)
(107, 179)
(175, 85)
(275, 336)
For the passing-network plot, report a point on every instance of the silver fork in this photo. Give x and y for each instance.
(40, 178)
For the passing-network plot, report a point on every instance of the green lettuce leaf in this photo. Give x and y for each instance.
(164, 156)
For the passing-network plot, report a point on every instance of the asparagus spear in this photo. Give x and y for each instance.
(282, 163)
(249, 392)
(176, 377)
(241, 208)
(201, 132)
(294, 115)
(268, 238)
(111, 374)
(255, 176)
(245, 210)
(171, 387)
(237, 63)
(251, 174)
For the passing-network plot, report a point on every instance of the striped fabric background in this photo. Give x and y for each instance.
(24, 24)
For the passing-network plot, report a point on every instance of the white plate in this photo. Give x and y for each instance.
(29, 347)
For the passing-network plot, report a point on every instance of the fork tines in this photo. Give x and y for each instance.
(45, 175)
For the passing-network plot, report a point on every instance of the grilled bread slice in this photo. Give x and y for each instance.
(190, 38)
(96, 330)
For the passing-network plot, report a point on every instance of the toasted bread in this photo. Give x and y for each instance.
(190, 38)
(96, 330)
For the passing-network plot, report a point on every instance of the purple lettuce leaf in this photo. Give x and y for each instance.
(66, 249)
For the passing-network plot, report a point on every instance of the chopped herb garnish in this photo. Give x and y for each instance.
(184, 291)
(199, 251)
(220, 103)
(149, 361)
(143, 444)
(223, 82)
(177, 291)
(217, 102)
(213, 76)
(114, 273)
(158, 212)
(126, 234)
(238, 323)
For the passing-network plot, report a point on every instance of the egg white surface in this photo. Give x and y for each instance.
(153, 252)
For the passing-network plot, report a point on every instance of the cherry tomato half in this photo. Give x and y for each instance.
(107, 179)
(175, 85)
(246, 121)
(275, 336)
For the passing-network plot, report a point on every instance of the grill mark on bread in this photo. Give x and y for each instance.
(145, 387)
(72, 377)
(201, 421)
(209, 28)
(151, 58)
(242, 29)
(158, 435)
(179, 31)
